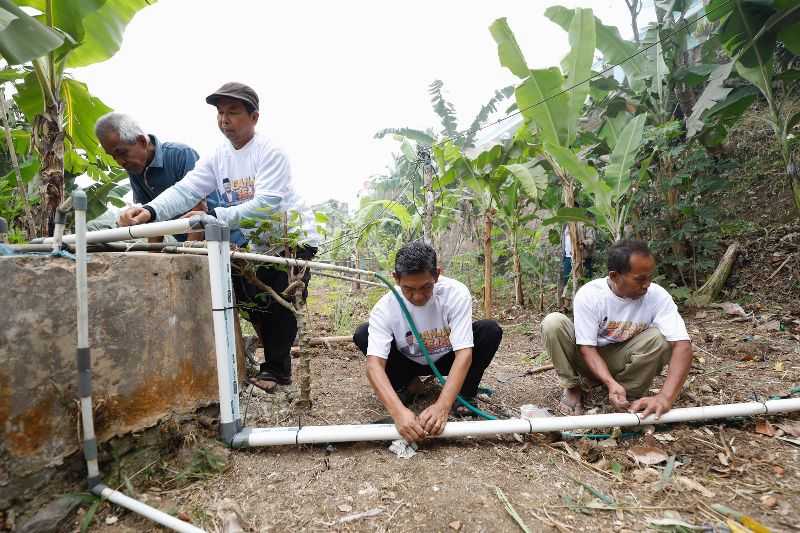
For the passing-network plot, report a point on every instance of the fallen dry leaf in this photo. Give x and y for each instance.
(765, 428)
(689, 483)
(647, 455)
(733, 309)
(790, 428)
(779, 366)
(345, 508)
(723, 459)
(769, 501)
(700, 314)
(664, 437)
(778, 470)
(646, 475)
(455, 525)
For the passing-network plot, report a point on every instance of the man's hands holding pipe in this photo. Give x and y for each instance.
(133, 216)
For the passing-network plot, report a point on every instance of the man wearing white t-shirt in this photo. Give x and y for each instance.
(255, 177)
(626, 329)
(442, 311)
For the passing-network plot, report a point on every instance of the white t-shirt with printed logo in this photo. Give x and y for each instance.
(603, 318)
(260, 182)
(444, 322)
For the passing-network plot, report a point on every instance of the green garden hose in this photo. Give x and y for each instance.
(425, 352)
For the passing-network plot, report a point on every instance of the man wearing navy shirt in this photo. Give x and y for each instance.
(153, 166)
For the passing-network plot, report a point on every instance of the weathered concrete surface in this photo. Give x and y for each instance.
(152, 349)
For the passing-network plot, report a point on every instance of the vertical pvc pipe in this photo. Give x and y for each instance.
(84, 359)
(217, 237)
(230, 329)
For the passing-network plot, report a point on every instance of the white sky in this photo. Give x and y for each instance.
(329, 74)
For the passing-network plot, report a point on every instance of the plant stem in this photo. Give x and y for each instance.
(30, 224)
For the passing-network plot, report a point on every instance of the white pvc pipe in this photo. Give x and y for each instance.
(262, 258)
(81, 278)
(154, 229)
(145, 510)
(369, 432)
(219, 301)
(230, 335)
(58, 235)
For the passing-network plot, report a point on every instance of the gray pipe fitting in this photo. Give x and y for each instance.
(79, 200)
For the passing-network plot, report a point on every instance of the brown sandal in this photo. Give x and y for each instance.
(268, 382)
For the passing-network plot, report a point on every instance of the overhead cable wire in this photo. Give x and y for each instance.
(587, 80)
(354, 235)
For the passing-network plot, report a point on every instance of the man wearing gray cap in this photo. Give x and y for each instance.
(250, 166)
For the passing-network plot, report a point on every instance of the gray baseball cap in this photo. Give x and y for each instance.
(236, 90)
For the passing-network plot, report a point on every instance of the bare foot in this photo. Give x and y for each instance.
(571, 402)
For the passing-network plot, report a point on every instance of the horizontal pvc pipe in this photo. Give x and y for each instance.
(155, 229)
(262, 258)
(145, 510)
(27, 248)
(346, 278)
(371, 432)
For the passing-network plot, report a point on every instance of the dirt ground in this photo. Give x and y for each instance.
(748, 465)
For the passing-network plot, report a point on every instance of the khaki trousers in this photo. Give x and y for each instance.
(633, 363)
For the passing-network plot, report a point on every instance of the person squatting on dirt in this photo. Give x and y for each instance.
(442, 311)
(626, 329)
(152, 166)
(259, 175)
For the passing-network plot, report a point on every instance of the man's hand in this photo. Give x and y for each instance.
(133, 216)
(408, 426)
(191, 214)
(617, 395)
(434, 418)
(658, 405)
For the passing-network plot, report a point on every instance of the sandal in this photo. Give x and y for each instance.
(268, 382)
(570, 409)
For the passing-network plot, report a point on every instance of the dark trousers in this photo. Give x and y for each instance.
(275, 325)
(566, 268)
(401, 370)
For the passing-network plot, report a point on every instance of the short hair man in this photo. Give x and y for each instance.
(152, 166)
(260, 174)
(626, 329)
(442, 311)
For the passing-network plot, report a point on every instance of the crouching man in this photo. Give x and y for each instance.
(460, 348)
(626, 329)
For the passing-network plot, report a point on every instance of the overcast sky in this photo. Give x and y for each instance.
(329, 74)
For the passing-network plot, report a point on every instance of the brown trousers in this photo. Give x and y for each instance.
(633, 363)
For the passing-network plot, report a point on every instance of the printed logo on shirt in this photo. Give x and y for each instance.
(237, 190)
(437, 341)
(620, 331)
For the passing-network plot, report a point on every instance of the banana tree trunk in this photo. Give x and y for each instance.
(49, 143)
(356, 265)
(427, 184)
(519, 296)
(488, 223)
(796, 191)
(577, 258)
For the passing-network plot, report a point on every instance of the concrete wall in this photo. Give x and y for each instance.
(152, 349)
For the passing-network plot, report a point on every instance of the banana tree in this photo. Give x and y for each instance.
(518, 204)
(750, 32)
(610, 199)
(60, 109)
(552, 102)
